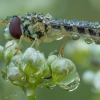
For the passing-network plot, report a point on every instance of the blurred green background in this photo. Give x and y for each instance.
(78, 51)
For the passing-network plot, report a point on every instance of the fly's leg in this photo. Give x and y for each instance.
(10, 45)
(36, 42)
(33, 43)
(55, 52)
(19, 44)
(63, 46)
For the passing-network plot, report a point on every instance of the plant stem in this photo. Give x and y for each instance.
(32, 97)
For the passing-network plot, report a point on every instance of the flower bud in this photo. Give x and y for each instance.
(7, 33)
(63, 68)
(27, 54)
(50, 59)
(17, 60)
(33, 57)
(15, 75)
(45, 70)
(11, 48)
(96, 82)
(11, 45)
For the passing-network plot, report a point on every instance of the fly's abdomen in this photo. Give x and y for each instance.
(81, 27)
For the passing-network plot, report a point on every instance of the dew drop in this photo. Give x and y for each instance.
(75, 36)
(23, 79)
(15, 94)
(41, 86)
(23, 89)
(52, 86)
(55, 52)
(32, 79)
(89, 40)
(6, 97)
(15, 82)
(97, 41)
(29, 91)
(73, 85)
(4, 76)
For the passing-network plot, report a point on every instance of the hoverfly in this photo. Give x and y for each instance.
(39, 27)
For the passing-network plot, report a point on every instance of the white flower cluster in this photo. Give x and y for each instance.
(31, 69)
(92, 78)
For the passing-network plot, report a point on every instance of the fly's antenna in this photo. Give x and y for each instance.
(3, 22)
(6, 20)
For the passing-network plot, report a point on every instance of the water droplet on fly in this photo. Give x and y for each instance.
(73, 85)
(89, 40)
(59, 38)
(97, 40)
(75, 36)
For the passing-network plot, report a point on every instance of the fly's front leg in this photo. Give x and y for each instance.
(19, 44)
(14, 44)
(10, 45)
(36, 42)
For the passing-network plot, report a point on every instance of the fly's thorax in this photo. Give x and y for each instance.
(33, 31)
(39, 27)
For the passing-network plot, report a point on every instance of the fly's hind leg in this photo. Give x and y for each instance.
(63, 46)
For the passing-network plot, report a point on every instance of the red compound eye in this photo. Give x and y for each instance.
(14, 27)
